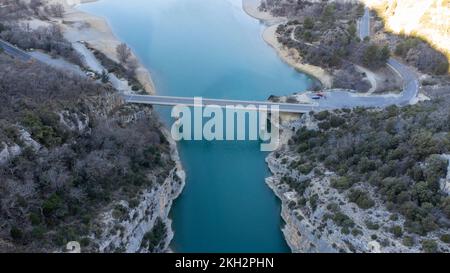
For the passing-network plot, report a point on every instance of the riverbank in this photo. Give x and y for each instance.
(155, 204)
(325, 214)
(291, 57)
(141, 220)
(95, 31)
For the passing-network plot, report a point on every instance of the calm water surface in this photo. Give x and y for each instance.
(211, 48)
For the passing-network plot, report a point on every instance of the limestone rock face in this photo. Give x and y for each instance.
(8, 152)
(445, 183)
(429, 19)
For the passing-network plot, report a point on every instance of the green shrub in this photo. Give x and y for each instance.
(372, 226)
(51, 205)
(408, 241)
(16, 233)
(308, 23)
(341, 183)
(393, 217)
(429, 246)
(305, 168)
(322, 115)
(38, 232)
(42, 127)
(336, 121)
(153, 239)
(374, 56)
(445, 238)
(325, 126)
(397, 231)
(313, 201)
(35, 219)
(342, 220)
(361, 199)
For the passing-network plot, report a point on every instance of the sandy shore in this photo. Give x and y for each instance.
(291, 57)
(81, 26)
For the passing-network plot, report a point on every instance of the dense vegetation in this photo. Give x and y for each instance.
(16, 9)
(154, 239)
(421, 55)
(20, 9)
(396, 151)
(325, 34)
(93, 151)
(49, 39)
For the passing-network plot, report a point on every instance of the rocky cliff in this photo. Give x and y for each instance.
(77, 164)
(427, 19)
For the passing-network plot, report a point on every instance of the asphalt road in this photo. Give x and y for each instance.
(364, 24)
(14, 51)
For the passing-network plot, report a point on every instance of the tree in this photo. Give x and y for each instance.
(132, 65)
(35, 5)
(442, 67)
(429, 246)
(104, 76)
(16, 233)
(352, 29)
(400, 50)
(308, 23)
(374, 56)
(123, 53)
(56, 10)
(329, 12)
(397, 231)
(361, 198)
(370, 55)
(385, 54)
(436, 168)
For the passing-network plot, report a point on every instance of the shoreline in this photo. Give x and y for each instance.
(78, 25)
(291, 57)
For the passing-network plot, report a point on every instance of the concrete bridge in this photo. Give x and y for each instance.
(173, 101)
(239, 104)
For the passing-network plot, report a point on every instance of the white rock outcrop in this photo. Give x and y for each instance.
(445, 183)
(8, 152)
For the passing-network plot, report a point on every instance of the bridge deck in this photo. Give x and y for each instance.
(173, 101)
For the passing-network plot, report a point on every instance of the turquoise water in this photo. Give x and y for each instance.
(211, 48)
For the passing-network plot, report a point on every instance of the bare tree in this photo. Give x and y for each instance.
(132, 66)
(35, 5)
(123, 53)
(56, 10)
